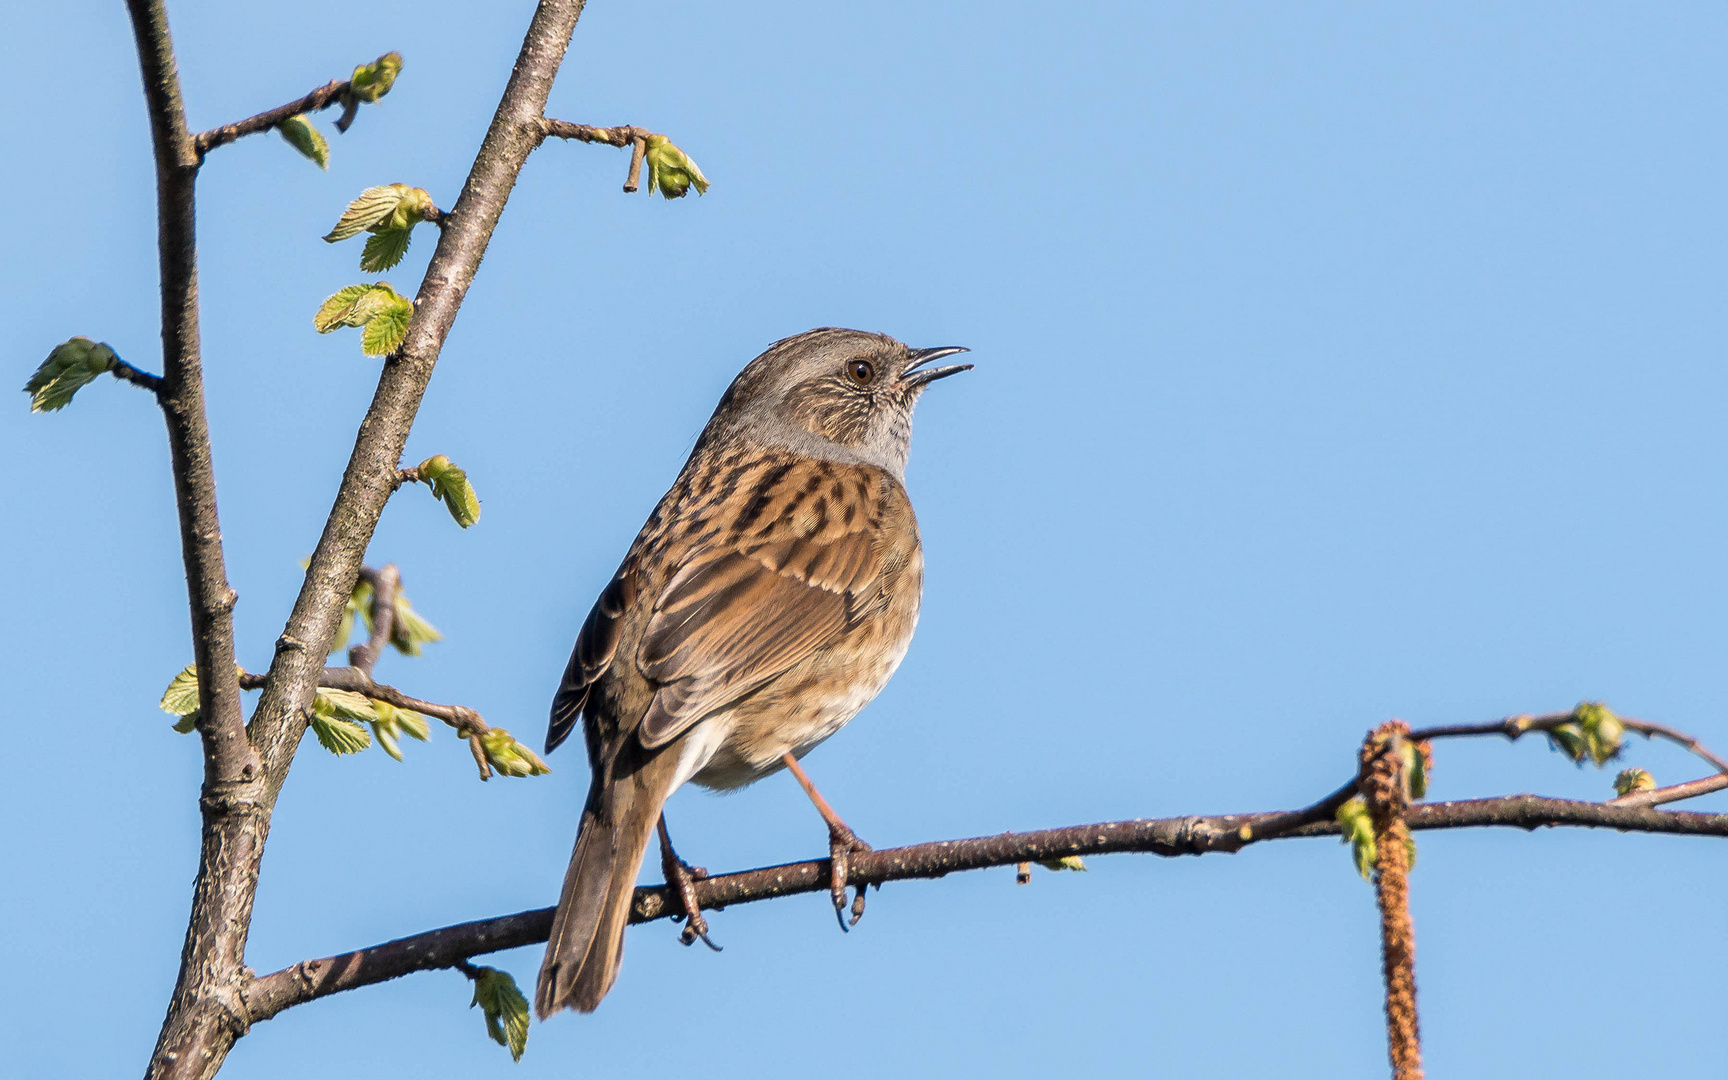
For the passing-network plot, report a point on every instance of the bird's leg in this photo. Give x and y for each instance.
(842, 842)
(681, 878)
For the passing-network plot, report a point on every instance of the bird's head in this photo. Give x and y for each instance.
(840, 394)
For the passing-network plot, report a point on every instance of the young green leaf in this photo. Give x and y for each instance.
(343, 705)
(302, 136)
(449, 484)
(670, 170)
(351, 306)
(1066, 862)
(1569, 740)
(374, 206)
(181, 697)
(1602, 731)
(1630, 781)
(384, 249)
(359, 606)
(408, 630)
(382, 314)
(339, 736)
(506, 1009)
(372, 81)
(188, 723)
(385, 331)
(1415, 769)
(510, 757)
(69, 368)
(1358, 832)
(393, 722)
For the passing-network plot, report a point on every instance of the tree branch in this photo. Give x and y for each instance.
(321, 98)
(311, 979)
(634, 137)
(205, 1012)
(385, 583)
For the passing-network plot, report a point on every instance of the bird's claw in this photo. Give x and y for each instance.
(842, 844)
(681, 877)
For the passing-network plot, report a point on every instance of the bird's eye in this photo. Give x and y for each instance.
(861, 371)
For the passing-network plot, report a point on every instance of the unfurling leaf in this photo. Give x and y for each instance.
(181, 697)
(359, 606)
(1569, 740)
(339, 736)
(372, 81)
(1415, 768)
(1631, 781)
(393, 722)
(449, 484)
(385, 330)
(388, 206)
(384, 249)
(510, 757)
(335, 716)
(344, 704)
(1602, 731)
(302, 136)
(408, 631)
(69, 368)
(382, 314)
(670, 170)
(506, 1009)
(1358, 832)
(1066, 862)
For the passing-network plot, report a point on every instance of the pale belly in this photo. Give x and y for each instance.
(793, 714)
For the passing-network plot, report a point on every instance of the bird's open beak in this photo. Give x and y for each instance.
(914, 377)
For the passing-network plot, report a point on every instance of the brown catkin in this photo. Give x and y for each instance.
(1384, 788)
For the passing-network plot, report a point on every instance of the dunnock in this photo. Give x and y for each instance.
(769, 597)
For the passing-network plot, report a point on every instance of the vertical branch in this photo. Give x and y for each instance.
(1385, 788)
(226, 754)
(206, 1011)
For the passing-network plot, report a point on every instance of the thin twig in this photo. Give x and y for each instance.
(385, 582)
(1691, 789)
(634, 137)
(1512, 727)
(310, 979)
(321, 98)
(137, 376)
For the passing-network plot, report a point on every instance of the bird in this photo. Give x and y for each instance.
(770, 595)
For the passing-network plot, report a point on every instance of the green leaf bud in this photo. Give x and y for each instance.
(302, 136)
(670, 170)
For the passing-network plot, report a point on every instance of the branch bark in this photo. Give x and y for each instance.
(321, 98)
(205, 1011)
(444, 947)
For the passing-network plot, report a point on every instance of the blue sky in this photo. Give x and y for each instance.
(1335, 363)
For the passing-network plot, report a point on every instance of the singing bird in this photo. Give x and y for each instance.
(768, 598)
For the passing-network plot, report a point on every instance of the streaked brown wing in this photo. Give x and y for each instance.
(595, 647)
(729, 621)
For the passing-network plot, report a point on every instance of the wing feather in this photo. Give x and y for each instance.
(730, 621)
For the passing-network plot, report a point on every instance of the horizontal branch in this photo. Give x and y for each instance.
(446, 947)
(321, 98)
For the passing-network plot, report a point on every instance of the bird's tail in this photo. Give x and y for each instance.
(587, 941)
